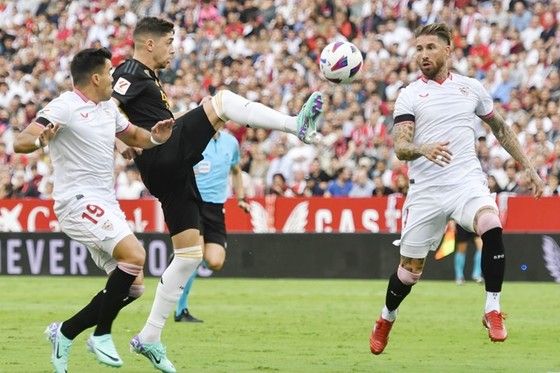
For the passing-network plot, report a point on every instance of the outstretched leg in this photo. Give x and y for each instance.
(227, 105)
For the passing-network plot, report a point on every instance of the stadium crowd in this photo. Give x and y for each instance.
(268, 50)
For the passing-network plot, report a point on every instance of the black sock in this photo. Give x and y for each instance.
(87, 316)
(115, 294)
(396, 292)
(493, 261)
(84, 319)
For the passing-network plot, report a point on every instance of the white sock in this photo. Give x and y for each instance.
(388, 315)
(229, 105)
(169, 289)
(492, 302)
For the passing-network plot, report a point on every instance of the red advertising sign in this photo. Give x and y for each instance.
(36, 215)
(319, 215)
(294, 215)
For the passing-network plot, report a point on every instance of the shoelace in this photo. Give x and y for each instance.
(495, 320)
(383, 326)
(155, 349)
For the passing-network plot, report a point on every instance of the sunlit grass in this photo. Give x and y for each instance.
(295, 326)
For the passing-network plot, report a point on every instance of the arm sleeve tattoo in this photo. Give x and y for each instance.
(403, 134)
(507, 139)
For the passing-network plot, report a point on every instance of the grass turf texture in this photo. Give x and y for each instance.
(295, 326)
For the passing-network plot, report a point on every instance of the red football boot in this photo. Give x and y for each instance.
(380, 335)
(494, 322)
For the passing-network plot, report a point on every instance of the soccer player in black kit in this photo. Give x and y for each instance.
(167, 170)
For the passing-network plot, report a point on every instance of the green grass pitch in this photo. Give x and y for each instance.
(292, 326)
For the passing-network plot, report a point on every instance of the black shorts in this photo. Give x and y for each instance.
(167, 170)
(213, 223)
(462, 235)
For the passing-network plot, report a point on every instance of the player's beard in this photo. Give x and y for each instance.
(433, 70)
(163, 63)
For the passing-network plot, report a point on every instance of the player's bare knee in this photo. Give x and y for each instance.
(136, 257)
(407, 277)
(214, 264)
(186, 238)
(136, 291)
(487, 221)
(130, 268)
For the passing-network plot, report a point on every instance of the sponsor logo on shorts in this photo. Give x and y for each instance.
(108, 226)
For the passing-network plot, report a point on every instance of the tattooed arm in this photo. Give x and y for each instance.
(407, 150)
(508, 140)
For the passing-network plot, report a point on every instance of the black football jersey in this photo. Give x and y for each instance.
(141, 96)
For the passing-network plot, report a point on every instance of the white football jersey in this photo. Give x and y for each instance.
(445, 112)
(82, 151)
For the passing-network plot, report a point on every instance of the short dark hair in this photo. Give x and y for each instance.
(440, 29)
(152, 26)
(88, 62)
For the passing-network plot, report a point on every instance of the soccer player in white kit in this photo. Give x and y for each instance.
(434, 131)
(80, 126)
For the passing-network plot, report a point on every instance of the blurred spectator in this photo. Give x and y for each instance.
(380, 189)
(341, 185)
(259, 169)
(531, 33)
(21, 188)
(4, 156)
(502, 89)
(279, 164)
(551, 188)
(362, 185)
(493, 185)
(497, 170)
(299, 183)
(46, 189)
(383, 171)
(317, 178)
(300, 157)
(268, 51)
(512, 185)
(401, 184)
(279, 186)
(366, 164)
(132, 187)
(521, 17)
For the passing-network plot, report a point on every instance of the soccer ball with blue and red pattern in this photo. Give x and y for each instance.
(341, 62)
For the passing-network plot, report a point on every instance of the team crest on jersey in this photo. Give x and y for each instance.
(108, 226)
(464, 91)
(121, 86)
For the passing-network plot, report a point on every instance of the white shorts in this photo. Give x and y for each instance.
(99, 225)
(427, 210)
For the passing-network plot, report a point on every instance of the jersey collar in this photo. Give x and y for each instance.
(426, 80)
(82, 96)
(151, 73)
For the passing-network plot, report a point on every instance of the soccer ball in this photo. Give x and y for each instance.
(341, 62)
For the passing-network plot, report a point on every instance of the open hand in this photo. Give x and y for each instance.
(438, 152)
(537, 184)
(48, 133)
(161, 131)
